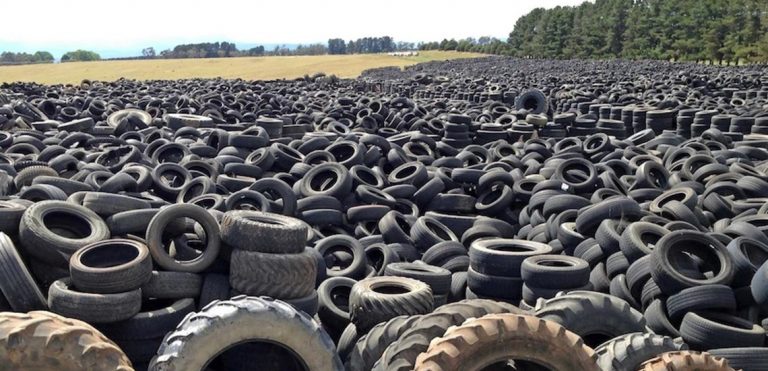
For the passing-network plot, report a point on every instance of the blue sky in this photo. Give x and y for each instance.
(124, 28)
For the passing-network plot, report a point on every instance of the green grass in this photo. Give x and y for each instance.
(249, 68)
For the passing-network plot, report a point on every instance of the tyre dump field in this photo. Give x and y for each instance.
(478, 214)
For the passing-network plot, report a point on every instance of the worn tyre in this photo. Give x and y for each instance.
(26, 341)
(111, 266)
(201, 336)
(379, 299)
(484, 341)
(263, 232)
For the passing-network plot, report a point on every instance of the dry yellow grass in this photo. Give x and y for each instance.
(256, 68)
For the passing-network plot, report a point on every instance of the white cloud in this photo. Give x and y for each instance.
(136, 23)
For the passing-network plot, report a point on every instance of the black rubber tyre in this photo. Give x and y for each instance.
(613, 208)
(746, 359)
(748, 255)
(111, 266)
(503, 257)
(223, 324)
(155, 238)
(638, 239)
(215, 287)
(92, 308)
(173, 285)
(281, 276)
(594, 316)
(19, 289)
(347, 341)
(694, 299)
(10, 217)
(498, 287)
(438, 279)
(671, 248)
(442, 252)
(157, 318)
(328, 246)
(708, 330)
(656, 316)
(628, 352)
(458, 287)
(334, 296)
(263, 232)
(427, 232)
(53, 230)
(106, 204)
(379, 299)
(371, 346)
(136, 222)
(554, 271)
(533, 101)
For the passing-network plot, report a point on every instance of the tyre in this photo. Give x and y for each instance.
(25, 344)
(111, 266)
(594, 316)
(107, 204)
(708, 330)
(371, 346)
(503, 257)
(379, 299)
(16, 283)
(334, 296)
(157, 318)
(628, 352)
(746, 359)
(222, 325)
(675, 247)
(686, 360)
(53, 230)
(92, 308)
(507, 336)
(533, 101)
(438, 279)
(554, 271)
(695, 299)
(263, 232)
(328, 246)
(282, 276)
(155, 238)
(401, 354)
(500, 287)
(173, 285)
(215, 287)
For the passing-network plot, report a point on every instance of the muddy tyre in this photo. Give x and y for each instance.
(45, 341)
(482, 342)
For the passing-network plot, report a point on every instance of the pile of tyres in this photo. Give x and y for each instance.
(493, 213)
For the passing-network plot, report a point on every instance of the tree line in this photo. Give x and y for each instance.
(9, 58)
(714, 31)
(484, 44)
(25, 58)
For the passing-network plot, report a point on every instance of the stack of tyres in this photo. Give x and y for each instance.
(104, 289)
(495, 267)
(270, 258)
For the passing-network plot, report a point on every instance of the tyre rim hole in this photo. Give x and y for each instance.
(109, 255)
(266, 354)
(68, 225)
(389, 288)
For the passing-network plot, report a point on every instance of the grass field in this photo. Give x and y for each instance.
(250, 68)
